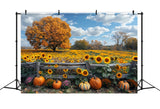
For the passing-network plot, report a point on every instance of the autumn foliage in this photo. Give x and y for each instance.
(50, 33)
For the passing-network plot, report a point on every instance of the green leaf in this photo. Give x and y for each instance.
(104, 75)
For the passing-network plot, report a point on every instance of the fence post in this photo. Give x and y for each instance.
(37, 68)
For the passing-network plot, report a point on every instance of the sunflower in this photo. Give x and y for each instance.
(124, 68)
(92, 58)
(65, 70)
(85, 73)
(115, 58)
(114, 71)
(32, 57)
(112, 59)
(40, 72)
(52, 61)
(46, 60)
(72, 61)
(107, 60)
(117, 67)
(64, 75)
(55, 66)
(27, 56)
(98, 59)
(86, 57)
(49, 56)
(119, 75)
(79, 70)
(78, 61)
(63, 61)
(134, 58)
(43, 55)
(50, 71)
(24, 58)
(125, 71)
(120, 60)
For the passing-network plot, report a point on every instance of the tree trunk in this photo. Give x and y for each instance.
(54, 49)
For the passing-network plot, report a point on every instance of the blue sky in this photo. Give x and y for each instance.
(88, 26)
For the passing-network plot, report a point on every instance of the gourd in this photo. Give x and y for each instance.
(124, 85)
(38, 81)
(49, 82)
(84, 86)
(106, 82)
(57, 84)
(95, 82)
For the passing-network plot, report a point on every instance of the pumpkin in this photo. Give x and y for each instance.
(106, 82)
(29, 80)
(57, 84)
(133, 84)
(84, 86)
(38, 81)
(66, 84)
(124, 85)
(95, 83)
(49, 82)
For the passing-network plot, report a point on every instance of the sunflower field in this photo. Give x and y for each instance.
(100, 79)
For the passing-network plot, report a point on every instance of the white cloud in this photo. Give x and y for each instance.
(91, 31)
(105, 36)
(107, 19)
(96, 31)
(77, 31)
(130, 29)
(70, 22)
(75, 39)
(25, 43)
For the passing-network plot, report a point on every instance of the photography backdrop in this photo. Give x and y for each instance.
(79, 52)
(151, 29)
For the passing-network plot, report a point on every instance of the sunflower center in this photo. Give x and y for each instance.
(84, 72)
(107, 60)
(135, 58)
(119, 75)
(79, 70)
(98, 59)
(86, 57)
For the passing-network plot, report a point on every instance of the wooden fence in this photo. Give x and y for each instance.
(42, 66)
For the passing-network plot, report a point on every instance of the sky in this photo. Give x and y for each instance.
(88, 26)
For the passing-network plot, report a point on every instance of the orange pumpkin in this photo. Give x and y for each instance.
(57, 84)
(133, 84)
(124, 85)
(95, 83)
(49, 82)
(38, 81)
(106, 82)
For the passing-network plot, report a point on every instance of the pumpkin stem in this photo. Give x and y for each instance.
(56, 80)
(94, 77)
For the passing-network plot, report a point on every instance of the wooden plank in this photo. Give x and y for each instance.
(111, 65)
(72, 76)
(63, 67)
(63, 63)
(38, 68)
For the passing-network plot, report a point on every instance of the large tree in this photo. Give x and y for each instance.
(95, 45)
(131, 43)
(50, 33)
(81, 45)
(120, 38)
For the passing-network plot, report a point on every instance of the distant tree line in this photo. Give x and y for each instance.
(121, 39)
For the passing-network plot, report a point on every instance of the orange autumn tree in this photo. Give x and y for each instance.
(50, 33)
